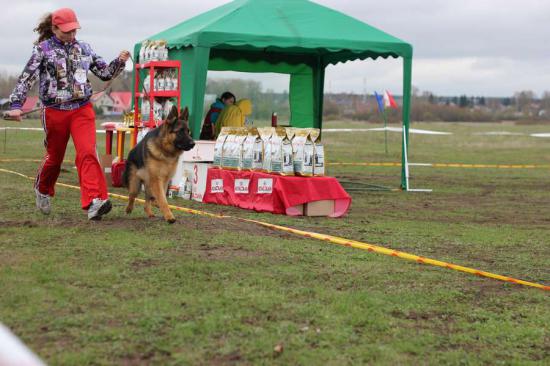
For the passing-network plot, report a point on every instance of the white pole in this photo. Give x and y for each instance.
(406, 158)
(13, 352)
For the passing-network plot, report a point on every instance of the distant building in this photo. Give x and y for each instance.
(104, 103)
(122, 102)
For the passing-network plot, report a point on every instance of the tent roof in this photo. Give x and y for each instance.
(289, 26)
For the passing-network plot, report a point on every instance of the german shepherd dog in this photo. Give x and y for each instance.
(153, 161)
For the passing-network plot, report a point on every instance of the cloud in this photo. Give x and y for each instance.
(469, 47)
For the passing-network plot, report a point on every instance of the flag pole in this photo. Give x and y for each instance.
(385, 131)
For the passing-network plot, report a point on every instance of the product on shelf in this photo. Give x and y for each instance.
(287, 154)
(218, 148)
(266, 134)
(319, 153)
(248, 148)
(158, 87)
(166, 108)
(232, 149)
(302, 146)
(258, 151)
(145, 106)
(280, 150)
(153, 51)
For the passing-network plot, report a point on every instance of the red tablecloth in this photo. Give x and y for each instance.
(272, 193)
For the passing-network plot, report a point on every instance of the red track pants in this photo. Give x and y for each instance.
(80, 124)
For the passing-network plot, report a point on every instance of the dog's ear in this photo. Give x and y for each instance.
(185, 114)
(172, 116)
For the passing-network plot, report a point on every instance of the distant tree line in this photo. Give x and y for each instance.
(425, 105)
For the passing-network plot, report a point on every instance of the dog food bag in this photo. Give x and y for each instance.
(147, 83)
(227, 147)
(145, 106)
(266, 134)
(163, 50)
(142, 50)
(319, 152)
(154, 51)
(248, 148)
(232, 149)
(218, 148)
(277, 150)
(303, 151)
(258, 151)
(288, 158)
(319, 163)
(314, 133)
(160, 81)
(157, 111)
(166, 108)
(175, 80)
(168, 85)
(184, 188)
(290, 131)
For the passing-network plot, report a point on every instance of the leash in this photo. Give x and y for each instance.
(107, 86)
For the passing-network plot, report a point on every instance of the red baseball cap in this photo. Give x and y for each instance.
(65, 19)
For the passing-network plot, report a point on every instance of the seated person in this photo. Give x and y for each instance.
(208, 127)
(234, 115)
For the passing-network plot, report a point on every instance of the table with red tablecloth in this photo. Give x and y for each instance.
(272, 193)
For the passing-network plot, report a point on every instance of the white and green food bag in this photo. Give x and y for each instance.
(266, 134)
(303, 151)
(218, 148)
(277, 150)
(258, 159)
(248, 149)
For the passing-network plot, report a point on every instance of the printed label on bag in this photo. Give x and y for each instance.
(265, 185)
(216, 186)
(241, 185)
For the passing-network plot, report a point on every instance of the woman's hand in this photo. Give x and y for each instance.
(124, 56)
(13, 115)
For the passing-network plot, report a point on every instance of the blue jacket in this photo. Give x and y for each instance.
(218, 104)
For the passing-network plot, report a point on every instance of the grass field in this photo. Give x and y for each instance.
(129, 290)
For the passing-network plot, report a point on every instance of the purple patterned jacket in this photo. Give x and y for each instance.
(63, 72)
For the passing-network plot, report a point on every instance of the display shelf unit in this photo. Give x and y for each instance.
(152, 67)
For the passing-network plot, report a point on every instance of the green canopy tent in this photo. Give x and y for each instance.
(295, 37)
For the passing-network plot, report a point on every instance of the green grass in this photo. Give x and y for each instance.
(129, 290)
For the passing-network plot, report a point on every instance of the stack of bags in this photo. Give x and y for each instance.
(277, 150)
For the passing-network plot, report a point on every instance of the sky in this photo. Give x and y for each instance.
(472, 47)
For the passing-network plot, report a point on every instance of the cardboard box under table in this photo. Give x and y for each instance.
(290, 195)
(193, 165)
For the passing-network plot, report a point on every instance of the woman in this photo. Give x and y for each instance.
(209, 125)
(61, 63)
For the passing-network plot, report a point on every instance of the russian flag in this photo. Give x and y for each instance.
(389, 101)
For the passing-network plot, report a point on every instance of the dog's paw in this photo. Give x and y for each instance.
(170, 219)
(129, 210)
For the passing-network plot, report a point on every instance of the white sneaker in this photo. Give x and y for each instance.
(99, 208)
(43, 202)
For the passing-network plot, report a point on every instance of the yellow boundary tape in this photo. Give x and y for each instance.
(452, 165)
(334, 240)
